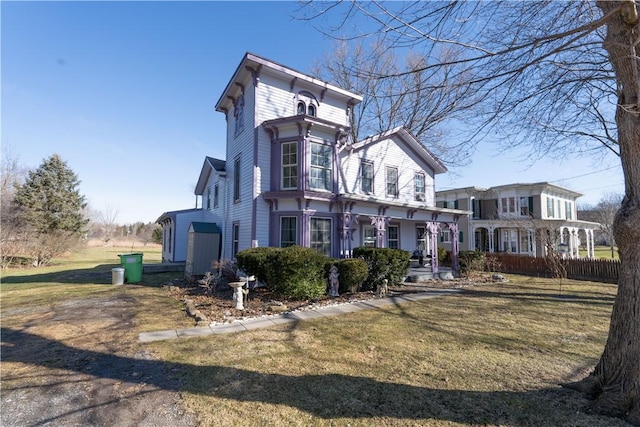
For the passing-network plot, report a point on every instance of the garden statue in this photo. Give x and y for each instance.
(333, 281)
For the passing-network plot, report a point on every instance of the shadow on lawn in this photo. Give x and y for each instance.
(98, 275)
(325, 396)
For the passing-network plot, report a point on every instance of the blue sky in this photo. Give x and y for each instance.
(125, 93)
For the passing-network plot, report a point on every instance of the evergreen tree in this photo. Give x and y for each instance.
(50, 200)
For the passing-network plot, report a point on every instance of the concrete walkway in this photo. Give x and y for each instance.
(293, 316)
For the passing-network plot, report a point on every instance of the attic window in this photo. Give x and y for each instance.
(238, 114)
(306, 103)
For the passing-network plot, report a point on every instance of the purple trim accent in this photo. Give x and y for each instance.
(255, 74)
(380, 222)
(434, 229)
(306, 229)
(254, 196)
(455, 245)
(241, 86)
(349, 223)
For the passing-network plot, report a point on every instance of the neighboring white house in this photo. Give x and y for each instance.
(520, 218)
(293, 176)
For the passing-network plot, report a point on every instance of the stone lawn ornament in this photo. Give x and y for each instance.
(333, 281)
(383, 290)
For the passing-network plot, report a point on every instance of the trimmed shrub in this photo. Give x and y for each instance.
(383, 263)
(298, 272)
(259, 262)
(471, 261)
(353, 272)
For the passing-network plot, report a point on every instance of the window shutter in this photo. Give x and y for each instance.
(455, 204)
(460, 238)
(530, 206)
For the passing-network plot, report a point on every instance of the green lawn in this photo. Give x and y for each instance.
(602, 252)
(493, 355)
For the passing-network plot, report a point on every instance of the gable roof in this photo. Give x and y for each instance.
(210, 164)
(410, 141)
(252, 63)
(204, 227)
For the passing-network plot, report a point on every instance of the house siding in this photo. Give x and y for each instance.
(387, 153)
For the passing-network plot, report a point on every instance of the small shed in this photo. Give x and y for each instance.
(203, 248)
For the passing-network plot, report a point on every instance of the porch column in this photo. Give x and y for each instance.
(455, 245)
(306, 229)
(380, 223)
(433, 230)
(572, 244)
(591, 245)
(348, 222)
(491, 237)
(532, 242)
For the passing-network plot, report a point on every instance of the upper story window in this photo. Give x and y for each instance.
(476, 207)
(366, 177)
(236, 180)
(568, 210)
(289, 166)
(508, 204)
(306, 103)
(392, 181)
(238, 114)
(208, 198)
(526, 206)
(216, 196)
(550, 207)
(320, 173)
(419, 187)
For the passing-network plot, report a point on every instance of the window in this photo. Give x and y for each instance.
(238, 114)
(567, 209)
(524, 206)
(550, 205)
(504, 205)
(311, 111)
(369, 236)
(320, 238)
(477, 208)
(445, 235)
(512, 204)
(236, 180)
(392, 237)
(235, 239)
(301, 108)
(288, 231)
(290, 166)
(366, 177)
(208, 198)
(508, 204)
(419, 187)
(320, 174)
(216, 197)
(559, 212)
(392, 181)
(420, 238)
(306, 103)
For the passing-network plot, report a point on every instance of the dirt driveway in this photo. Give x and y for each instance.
(79, 364)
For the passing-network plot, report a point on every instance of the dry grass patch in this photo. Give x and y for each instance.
(491, 356)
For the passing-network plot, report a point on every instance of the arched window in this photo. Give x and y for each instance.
(306, 103)
(311, 110)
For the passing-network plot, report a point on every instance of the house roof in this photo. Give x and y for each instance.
(410, 142)
(210, 164)
(172, 214)
(204, 227)
(538, 186)
(252, 63)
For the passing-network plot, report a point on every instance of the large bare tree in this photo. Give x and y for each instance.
(420, 98)
(560, 78)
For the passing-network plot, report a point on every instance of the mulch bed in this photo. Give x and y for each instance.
(217, 306)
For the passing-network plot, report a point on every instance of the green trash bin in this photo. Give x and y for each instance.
(132, 264)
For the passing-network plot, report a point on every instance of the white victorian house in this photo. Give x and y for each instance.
(293, 176)
(520, 218)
